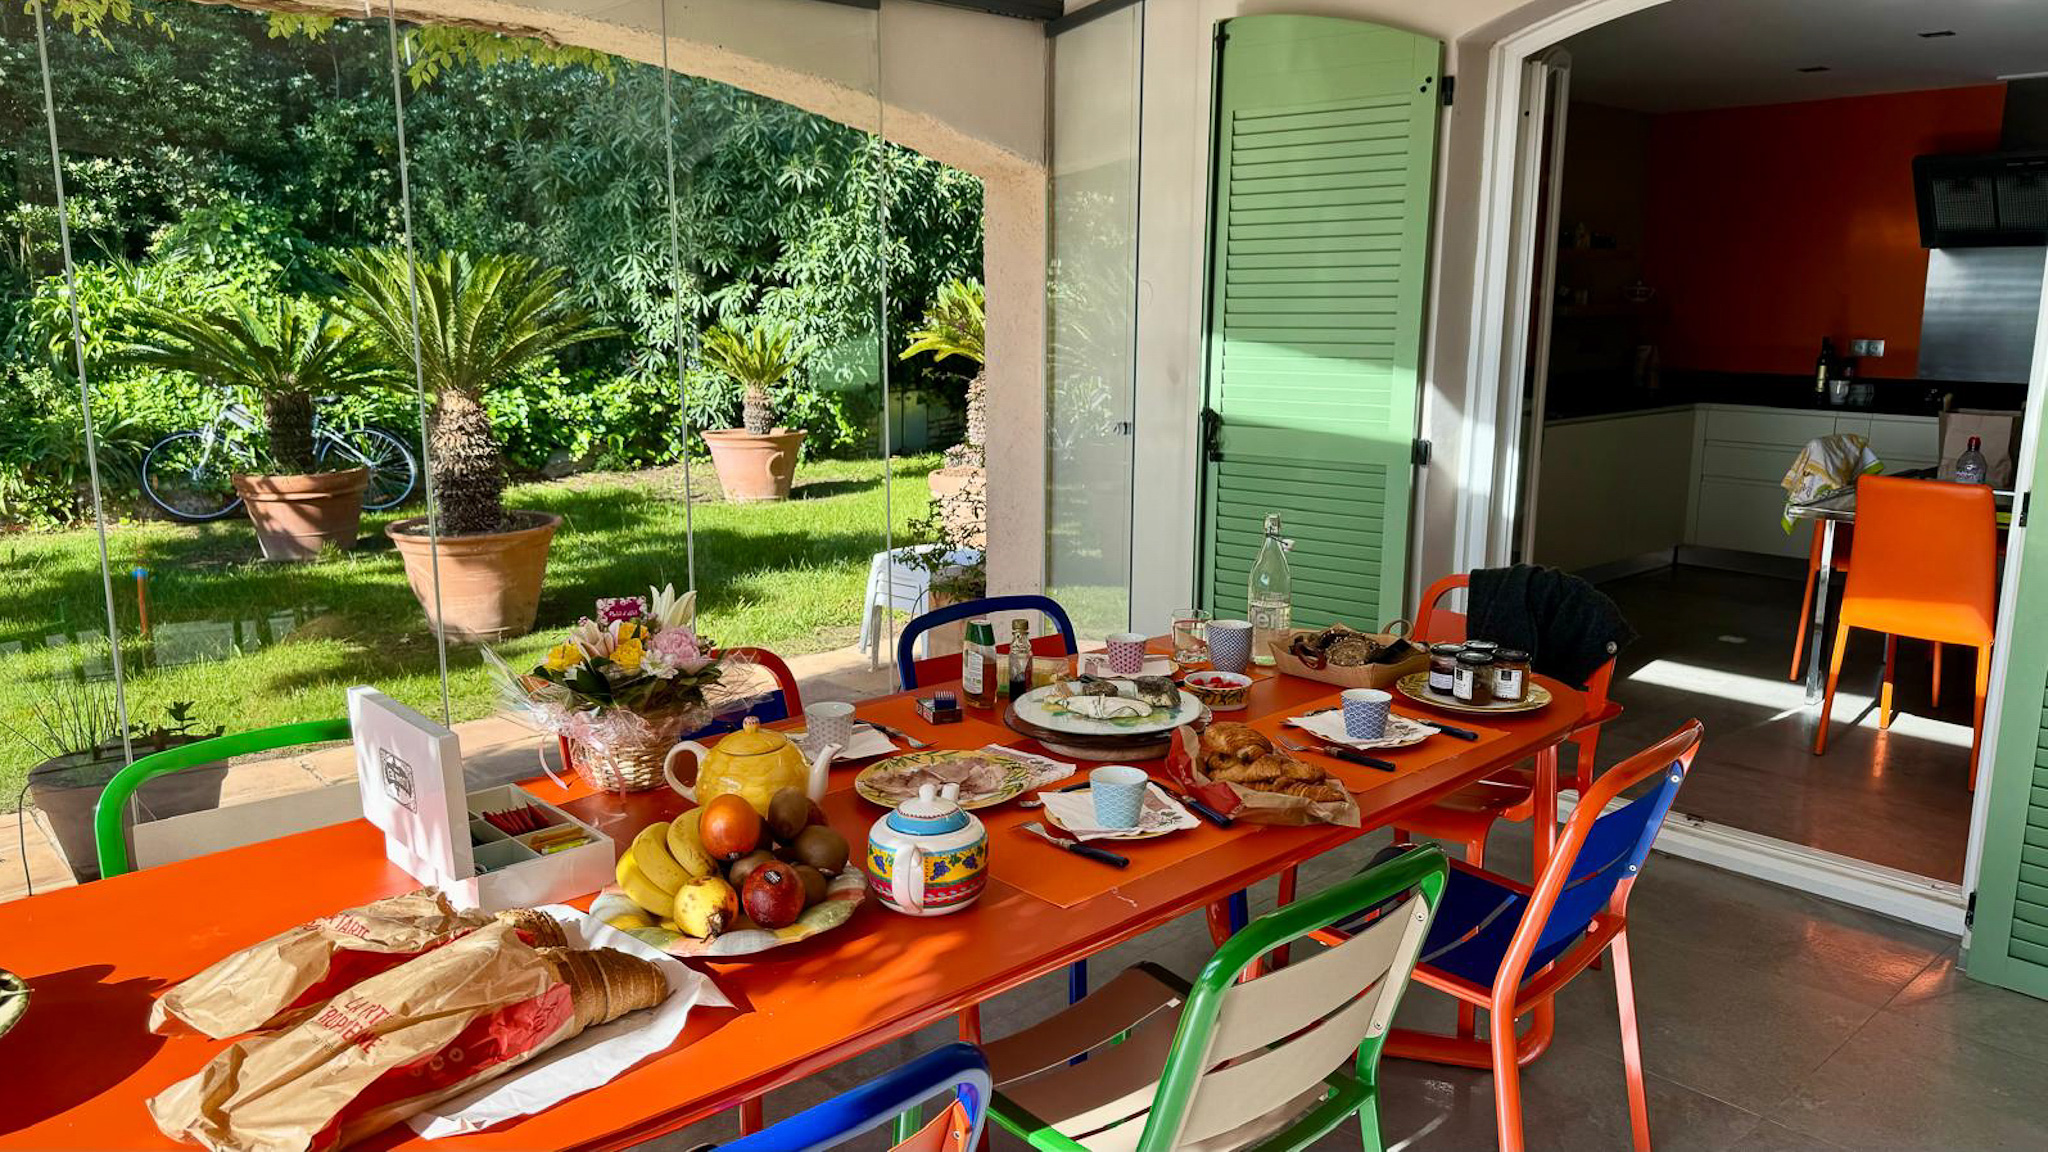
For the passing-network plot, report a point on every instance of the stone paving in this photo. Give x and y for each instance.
(495, 748)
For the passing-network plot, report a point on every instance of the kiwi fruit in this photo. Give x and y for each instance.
(737, 874)
(788, 811)
(814, 883)
(821, 848)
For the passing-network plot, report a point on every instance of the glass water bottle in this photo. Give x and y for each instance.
(1271, 594)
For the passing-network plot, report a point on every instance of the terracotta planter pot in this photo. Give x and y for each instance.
(296, 516)
(946, 639)
(490, 583)
(752, 468)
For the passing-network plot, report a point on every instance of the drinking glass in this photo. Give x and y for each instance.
(1190, 645)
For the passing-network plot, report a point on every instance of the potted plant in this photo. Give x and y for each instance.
(758, 460)
(77, 731)
(286, 351)
(955, 324)
(475, 568)
(947, 546)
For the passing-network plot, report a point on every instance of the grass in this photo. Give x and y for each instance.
(255, 644)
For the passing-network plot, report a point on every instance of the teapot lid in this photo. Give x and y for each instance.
(752, 739)
(932, 811)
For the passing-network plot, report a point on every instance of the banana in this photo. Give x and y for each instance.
(650, 853)
(706, 907)
(627, 921)
(687, 849)
(644, 892)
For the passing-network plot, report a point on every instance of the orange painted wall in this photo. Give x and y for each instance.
(1769, 227)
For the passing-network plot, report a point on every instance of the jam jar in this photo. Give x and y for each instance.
(1510, 675)
(1443, 667)
(1487, 646)
(1474, 684)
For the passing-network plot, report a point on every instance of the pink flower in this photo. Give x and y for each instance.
(674, 650)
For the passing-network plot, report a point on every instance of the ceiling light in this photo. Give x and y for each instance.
(1816, 68)
(1945, 32)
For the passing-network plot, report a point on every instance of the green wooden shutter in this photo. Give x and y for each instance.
(1324, 162)
(2009, 935)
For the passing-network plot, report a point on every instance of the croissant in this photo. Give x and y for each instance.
(1239, 742)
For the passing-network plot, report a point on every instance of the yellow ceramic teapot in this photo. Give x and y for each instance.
(755, 762)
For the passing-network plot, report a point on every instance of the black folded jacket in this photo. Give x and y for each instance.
(1568, 627)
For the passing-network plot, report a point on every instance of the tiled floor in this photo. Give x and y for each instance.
(1718, 645)
(1772, 1022)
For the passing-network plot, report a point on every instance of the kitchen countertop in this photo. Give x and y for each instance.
(1587, 396)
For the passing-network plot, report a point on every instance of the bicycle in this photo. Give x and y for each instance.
(187, 474)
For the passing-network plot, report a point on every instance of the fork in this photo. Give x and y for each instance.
(1339, 751)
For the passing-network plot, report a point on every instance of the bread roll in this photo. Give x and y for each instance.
(605, 983)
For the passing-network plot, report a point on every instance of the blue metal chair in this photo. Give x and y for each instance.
(892, 1096)
(1509, 948)
(913, 671)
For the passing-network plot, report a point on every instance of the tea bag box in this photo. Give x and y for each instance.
(409, 770)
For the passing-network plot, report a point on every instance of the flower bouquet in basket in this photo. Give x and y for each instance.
(620, 690)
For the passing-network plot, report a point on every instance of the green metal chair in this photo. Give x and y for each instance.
(1230, 1063)
(109, 834)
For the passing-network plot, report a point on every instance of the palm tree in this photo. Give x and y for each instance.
(757, 357)
(285, 350)
(955, 324)
(480, 319)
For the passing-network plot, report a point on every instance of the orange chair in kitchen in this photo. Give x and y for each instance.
(1466, 816)
(1844, 534)
(1926, 567)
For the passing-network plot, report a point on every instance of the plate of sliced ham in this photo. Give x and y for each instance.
(984, 777)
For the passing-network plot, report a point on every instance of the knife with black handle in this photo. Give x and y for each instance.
(1354, 756)
(1075, 846)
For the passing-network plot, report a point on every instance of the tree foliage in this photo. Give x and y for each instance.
(209, 150)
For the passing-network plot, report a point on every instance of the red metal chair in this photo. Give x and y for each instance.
(1844, 533)
(1467, 816)
(1508, 948)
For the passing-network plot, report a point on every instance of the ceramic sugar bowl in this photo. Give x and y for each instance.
(928, 857)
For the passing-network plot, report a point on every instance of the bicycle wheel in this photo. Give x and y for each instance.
(187, 475)
(394, 470)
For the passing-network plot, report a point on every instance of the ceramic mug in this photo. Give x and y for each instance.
(1126, 652)
(1119, 794)
(827, 722)
(1365, 712)
(1230, 644)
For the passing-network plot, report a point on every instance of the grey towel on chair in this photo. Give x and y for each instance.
(1568, 627)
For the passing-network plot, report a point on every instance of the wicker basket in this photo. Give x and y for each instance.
(632, 769)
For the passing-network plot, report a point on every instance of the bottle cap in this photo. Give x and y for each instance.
(1976, 443)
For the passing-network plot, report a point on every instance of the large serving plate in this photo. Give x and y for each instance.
(1043, 708)
(884, 782)
(1416, 688)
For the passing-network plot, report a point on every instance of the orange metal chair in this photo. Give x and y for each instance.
(1928, 569)
(1844, 535)
(1510, 948)
(1466, 817)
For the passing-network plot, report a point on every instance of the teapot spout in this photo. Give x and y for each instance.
(821, 771)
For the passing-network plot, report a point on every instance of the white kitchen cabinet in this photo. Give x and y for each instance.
(1741, 453)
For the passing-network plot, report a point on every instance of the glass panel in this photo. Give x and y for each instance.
(1092, 285)
(216, 161)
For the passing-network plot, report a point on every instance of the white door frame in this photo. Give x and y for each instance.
(1494, 381)
(1533, 288)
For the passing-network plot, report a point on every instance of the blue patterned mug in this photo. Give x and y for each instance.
(1230, 645)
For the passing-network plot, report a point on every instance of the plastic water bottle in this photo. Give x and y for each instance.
(1271, 594)
(1970, 466)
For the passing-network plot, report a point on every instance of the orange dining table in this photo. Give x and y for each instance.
(76, 1070)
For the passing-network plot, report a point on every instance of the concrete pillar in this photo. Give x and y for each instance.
(1013, 264)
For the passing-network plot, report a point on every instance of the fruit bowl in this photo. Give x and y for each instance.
(1221, 691)
(843, 894)
(726, 880)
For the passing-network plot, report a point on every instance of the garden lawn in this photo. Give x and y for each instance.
(255, 644)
